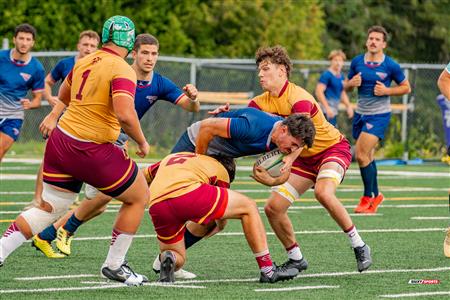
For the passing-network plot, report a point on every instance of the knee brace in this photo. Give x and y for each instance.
(39, 219)
(287, 191)
(332, 174)
(90, 192)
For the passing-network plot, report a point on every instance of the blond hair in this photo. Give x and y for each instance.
(90, 34)
(335, 53)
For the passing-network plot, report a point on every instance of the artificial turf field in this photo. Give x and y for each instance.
(406, 236)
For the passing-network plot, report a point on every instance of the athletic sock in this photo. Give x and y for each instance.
(48, 234)
(265, 262)
(353, 236)
(293, 252)
(120, 242)
(10, 241)
(374, 180)
(367, 178)
(190, 239)
(72, 224)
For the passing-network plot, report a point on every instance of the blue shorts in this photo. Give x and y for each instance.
(372, 124)
(11, 127)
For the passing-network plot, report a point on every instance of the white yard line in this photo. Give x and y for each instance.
(297, 288)
(424, 294)
(431, 218)
(97, 287)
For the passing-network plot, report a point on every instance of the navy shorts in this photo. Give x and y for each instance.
(372, 124)
(11, 127)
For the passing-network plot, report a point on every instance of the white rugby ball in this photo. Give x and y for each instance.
(271, 161)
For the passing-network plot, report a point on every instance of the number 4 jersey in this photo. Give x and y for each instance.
(94, 82)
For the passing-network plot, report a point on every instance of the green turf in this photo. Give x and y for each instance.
(227, 256)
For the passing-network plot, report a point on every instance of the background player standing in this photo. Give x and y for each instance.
(372, 73)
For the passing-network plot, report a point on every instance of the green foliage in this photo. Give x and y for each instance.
(424, 24)
(202, 28)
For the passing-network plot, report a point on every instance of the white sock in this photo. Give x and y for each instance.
(11, 240)
(355, 239)
(294, 252)
(120, 243)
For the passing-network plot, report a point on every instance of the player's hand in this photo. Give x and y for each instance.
(380, 89)
(223, 108)
(53, 100)
(26, 103)
(356, 80)
(191, 91)
(47, 125)
(350, 111)
(330, 113)
(144, 149)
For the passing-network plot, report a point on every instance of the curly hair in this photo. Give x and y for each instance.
(276, 55)
(302, 127)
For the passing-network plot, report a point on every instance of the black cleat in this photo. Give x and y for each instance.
(279, 274)
(124, 274)
(167, 271)
(363, 258)
(300, 265)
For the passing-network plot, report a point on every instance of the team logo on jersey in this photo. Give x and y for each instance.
(25, 76)
(151, 99)
(369, 126)
(381, 75)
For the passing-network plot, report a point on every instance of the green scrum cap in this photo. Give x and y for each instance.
(120, 31)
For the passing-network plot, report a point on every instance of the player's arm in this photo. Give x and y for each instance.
(346, 101)
(49, 83)
(320, 94)
(49, 123)
(262, 176)
(189, 100)
(402, 89)
(444, 83)
(35, 101)
(210, 128)
(123, 106)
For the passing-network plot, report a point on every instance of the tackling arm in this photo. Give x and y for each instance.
(210, 128)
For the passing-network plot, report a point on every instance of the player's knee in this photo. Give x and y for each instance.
(38, 219)
(271, 210)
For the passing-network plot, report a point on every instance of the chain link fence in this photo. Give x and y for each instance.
(417, 132)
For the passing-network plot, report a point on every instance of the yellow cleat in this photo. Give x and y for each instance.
(447, 243)
(45, 247)
(446, 159)
(63, 240)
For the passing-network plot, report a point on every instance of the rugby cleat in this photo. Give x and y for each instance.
(363, 258)
(124, 274)
(167, 271)
(364, 204)
(300, 265)
(45, 247)
(374, 204)
(179, 274)
(279, 274)
(447, 243)
(63, 240)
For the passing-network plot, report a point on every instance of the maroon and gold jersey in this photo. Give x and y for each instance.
(183, 172)
(294, 99)
(94, 81)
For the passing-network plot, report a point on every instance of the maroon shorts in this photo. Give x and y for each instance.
(69, 162)
(202, 205)
(309, 167)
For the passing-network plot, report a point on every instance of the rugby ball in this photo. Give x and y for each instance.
(271, 161)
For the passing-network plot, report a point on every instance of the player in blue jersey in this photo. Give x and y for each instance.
(20, 72)
(330, 88)
(238, 133)
(444, 86)
(372, 73)
(151, 87)
(87, 43)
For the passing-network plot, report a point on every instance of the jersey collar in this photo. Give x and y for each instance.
(16, 62)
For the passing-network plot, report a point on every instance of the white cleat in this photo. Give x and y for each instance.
(180, 274)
